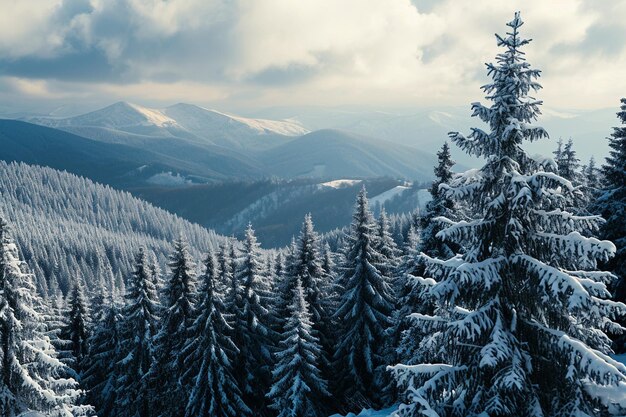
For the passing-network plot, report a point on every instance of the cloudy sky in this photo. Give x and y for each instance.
(253, 54)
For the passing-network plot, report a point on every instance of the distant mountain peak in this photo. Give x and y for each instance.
(258, 126)
(118, 115)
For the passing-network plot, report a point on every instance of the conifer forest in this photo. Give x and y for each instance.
(486, 281)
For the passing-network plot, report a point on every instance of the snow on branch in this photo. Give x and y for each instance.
(592, 363)
(473, 323)
(558, 283)
(463, 231)
(484, 274)
(586, 250)
(419, 393)
(564, 222)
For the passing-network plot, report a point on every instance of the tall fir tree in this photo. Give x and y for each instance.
(208, 356)
(100, 373)
(412, 298)
(298, 388)
(253, 329)
(331, 296)
(179, 297)
(305, 266)
(227, 261)
(283, 286)
(387, 247)
(138, 328)
(155, 272)
(364, 314)
(412, 293)
(592, 176)
(34, 381)
(76, 330)
(56, 319)
(569, 164)
(225, 272)
(439, 206)
(519, 329)
(611, 205)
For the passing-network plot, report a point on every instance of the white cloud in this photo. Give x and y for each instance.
(268, 52)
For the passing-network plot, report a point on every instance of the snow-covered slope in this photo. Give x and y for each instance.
(336, 184)
(120, 115)
(388, 195)
(181, 120)
(230, 130)
(196, 118)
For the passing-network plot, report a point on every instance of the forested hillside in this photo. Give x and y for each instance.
(71, 229)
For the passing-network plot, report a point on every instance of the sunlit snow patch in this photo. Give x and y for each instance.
(153, 117)
(340, 183)
(388, 195)
(168, 179)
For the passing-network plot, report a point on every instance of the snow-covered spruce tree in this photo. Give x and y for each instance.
(592, 176)
(281, 285)
(100, 374)
(279, 267)
(33, 380)
(179, 297)
(138, 328)
(612, 204)
(521, 316)
(568, 163)
(387, 247)
(569, 168)
(56, 320)
(331, 290)
(363, 316)
(305, 266)
(298, 389)
(225, 277)
(591, 179)
(412, 298)
(439, 206)
(155, 271)
(208, 356)
(253, 331)
(76, 330)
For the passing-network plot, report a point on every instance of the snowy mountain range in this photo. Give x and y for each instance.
(181, 120)
(201, 145)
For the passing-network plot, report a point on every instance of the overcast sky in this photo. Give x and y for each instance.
(247, 54)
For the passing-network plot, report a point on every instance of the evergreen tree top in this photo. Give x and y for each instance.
(512, 108)
(442, 170)
(614, 169)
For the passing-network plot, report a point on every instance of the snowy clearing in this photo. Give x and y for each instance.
(168, 179)
(388, 195)
(340, 183)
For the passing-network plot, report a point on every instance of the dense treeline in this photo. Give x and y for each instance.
(69, 228)
(490, 303)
